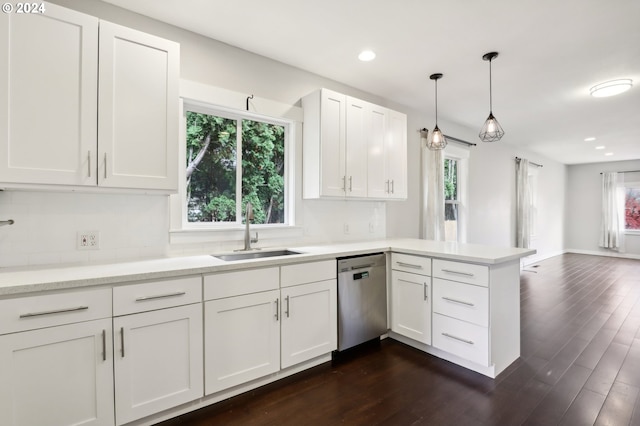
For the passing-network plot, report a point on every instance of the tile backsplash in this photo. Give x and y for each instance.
(47, 223)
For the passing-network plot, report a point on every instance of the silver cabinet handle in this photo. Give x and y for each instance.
(409, 265)
(392, 187)
(466, 274)
(344, 183)
(160, 296)
(104, 345)
(350, 183)
(122, 342)
(277, 309)
(287, 311)
(105, 165)
(460, 339)
(425, 291)
(89, 162)
(386, 183)
(56, 311)
(462, 302)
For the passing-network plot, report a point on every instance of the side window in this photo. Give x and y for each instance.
(451, 200)
(632, 207)
(231, 160)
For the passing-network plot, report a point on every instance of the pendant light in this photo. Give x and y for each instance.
(491, 131)
(436, 139)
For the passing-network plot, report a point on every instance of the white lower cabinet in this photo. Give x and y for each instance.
(56, 359)
(242, 339)
(411, 297)
(411, 306)
(309, 321)
(158, 361)
(157, 346)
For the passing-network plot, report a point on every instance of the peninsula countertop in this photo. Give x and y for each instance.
(14, 281)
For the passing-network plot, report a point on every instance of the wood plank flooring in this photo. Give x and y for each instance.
(580, 365)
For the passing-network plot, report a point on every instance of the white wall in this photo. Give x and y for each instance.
(60, 215)
(584, 207)
(137, 226)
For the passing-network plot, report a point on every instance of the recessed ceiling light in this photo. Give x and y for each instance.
(611, 88)
(589, 139)
(600, 147)
(367, 55)
(608, 154)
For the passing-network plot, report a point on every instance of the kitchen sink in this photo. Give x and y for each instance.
(254, 255)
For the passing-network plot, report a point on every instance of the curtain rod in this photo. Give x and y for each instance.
(530, 162)
(459, 140)
(627, 171)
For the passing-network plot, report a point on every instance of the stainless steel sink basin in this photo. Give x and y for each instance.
(254, 255)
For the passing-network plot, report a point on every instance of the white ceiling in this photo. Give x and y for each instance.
(551, 53)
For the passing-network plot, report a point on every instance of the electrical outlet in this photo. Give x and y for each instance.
(88, 240)
(346, 228)
(372, 228)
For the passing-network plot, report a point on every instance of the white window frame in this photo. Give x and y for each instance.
(214, 100)
(213, 110)
(461, 155)
(632, 184)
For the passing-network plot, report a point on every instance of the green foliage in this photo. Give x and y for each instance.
(450, 179)
(212, 187)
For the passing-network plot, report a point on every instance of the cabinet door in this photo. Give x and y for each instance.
(309, 321)
(138, 110)
(242, 339)
(158, 361)
(48, 97)
(357, 135)
(57, 376)
(396, 155)
(377, 181)
(332, 144)
(411, 306)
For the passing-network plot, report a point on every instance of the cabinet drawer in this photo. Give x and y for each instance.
(304, 273)
(32, 312)
(460, 271)
(133, 298)
(468, 341)
(218, 286)
(462, 301)
(410, 263)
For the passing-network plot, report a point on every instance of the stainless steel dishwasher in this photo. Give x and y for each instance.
(362, 299)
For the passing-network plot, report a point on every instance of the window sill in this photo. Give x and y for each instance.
(236, 233)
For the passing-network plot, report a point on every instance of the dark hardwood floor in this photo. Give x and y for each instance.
(580, 365)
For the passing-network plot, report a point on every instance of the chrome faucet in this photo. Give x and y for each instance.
(248, 217)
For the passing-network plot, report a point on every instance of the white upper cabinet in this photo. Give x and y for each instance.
(352, 148)
(48, 97)
(138, 109)
(86, 103)
(357, 136)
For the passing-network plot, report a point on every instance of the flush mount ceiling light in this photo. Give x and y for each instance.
(367, 55)
(589, 139)
(436, 139)
(611, 88)
(491, 131)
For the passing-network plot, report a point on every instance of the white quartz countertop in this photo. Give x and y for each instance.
(15, 281)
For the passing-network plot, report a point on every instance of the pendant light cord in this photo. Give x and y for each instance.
(436, 102)
(490, 89)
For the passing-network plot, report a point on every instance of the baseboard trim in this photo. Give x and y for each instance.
(527, 261)
(605, 253)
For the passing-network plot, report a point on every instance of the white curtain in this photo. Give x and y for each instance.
(433, 193)
(612, 228)
(523, 204)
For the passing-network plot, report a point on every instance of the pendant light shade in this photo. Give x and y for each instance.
(491, 130)
(436, 139)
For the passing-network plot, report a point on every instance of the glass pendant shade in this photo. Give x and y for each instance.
(436, 140)
(491, 131)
